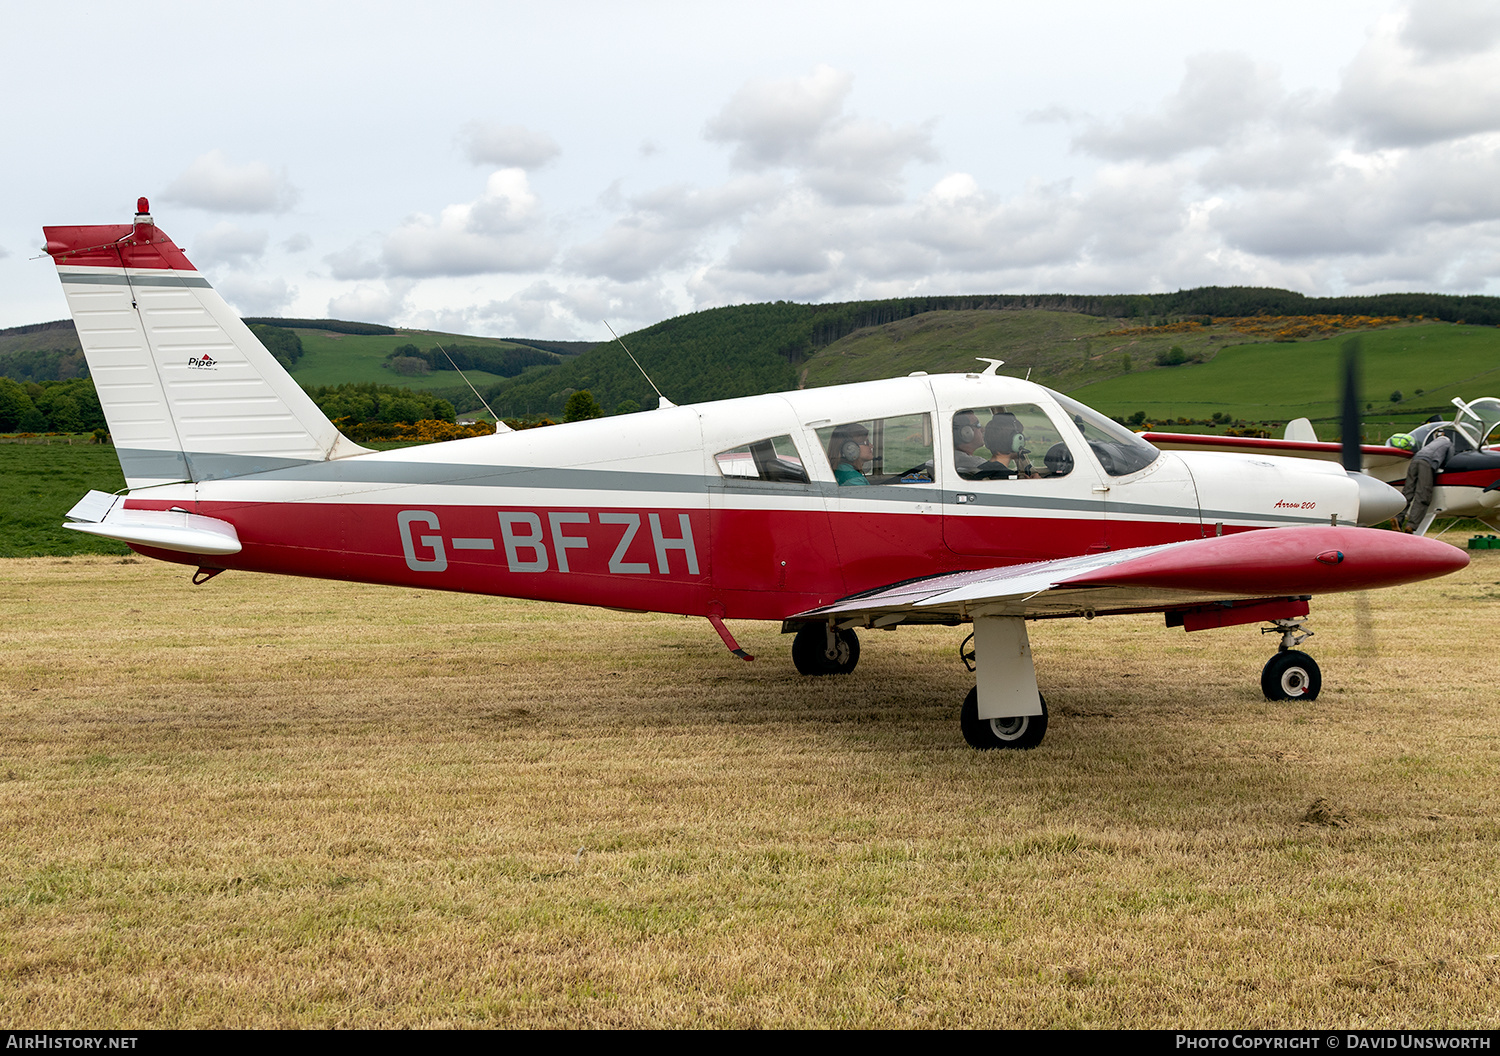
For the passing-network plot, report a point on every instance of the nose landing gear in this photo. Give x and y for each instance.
(1291, 674)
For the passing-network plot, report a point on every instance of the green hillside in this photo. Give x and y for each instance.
(333, 359)
(1428, 363)
(1067, 340)
(1060, 349)
(709, 355)
(1114, 350)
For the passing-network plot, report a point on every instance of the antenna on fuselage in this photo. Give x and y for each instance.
(664, 401)
(500, 427)
(994, 365)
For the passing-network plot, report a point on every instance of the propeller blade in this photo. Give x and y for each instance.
(1350, 414)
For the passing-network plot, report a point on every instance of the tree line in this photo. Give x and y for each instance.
(49, 406)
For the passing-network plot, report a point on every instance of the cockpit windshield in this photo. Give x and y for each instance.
(1118, 450)
(1463, 437)
(1488, 426)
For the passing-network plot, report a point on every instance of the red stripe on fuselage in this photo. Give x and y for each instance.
(1469, 478)
(755, 564)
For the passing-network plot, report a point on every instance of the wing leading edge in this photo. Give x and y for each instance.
(1273, 563)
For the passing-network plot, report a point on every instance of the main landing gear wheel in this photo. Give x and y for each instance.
(1023, 731)
(810, 651)
(1292, 675)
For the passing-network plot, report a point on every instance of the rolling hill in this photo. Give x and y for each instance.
(1245, 353)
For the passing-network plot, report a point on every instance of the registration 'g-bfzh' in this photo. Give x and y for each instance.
(955, 499)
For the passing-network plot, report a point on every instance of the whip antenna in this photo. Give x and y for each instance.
(664, 401)
(500, 427)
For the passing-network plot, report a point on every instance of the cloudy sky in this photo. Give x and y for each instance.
(529, 169)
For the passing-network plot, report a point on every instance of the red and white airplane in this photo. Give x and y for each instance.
(827, 509)
(1467, 485)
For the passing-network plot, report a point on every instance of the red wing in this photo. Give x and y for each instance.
(1272, 563)
(1375, 458)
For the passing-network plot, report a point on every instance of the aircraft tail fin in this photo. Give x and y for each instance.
(1302, 430)
(190, 394)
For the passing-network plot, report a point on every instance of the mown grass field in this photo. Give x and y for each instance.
(274, 802)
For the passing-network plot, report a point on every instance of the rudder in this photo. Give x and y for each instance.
(190, 394)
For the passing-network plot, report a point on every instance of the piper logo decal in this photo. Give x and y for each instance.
(203, 362)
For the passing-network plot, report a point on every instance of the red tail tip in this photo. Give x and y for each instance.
(142, 206)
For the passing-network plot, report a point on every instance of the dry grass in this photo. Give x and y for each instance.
(271, 802)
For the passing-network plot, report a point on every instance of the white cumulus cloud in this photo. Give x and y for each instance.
(215, 183)
(502, 230)
(256, 296)
(372, 303)
(1424, 79)
(507, 146)
(801, 123)
(227, 244)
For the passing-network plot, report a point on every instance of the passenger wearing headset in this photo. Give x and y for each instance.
(849, 450)
(1007, 444)
(968, 438)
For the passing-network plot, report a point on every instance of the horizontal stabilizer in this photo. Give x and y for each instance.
(178, 530)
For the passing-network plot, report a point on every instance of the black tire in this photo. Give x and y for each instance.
(1292, 675)
(1025, 731)
(810, 651)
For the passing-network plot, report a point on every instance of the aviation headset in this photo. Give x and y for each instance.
(853, 438)
(1004, 422)
(963, 432)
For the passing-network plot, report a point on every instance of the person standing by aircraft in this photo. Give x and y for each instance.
(1421, 476)
(849, 449)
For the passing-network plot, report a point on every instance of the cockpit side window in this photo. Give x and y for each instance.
(895, 450)
(773, 459)
(1119, 451)
(1014, 442)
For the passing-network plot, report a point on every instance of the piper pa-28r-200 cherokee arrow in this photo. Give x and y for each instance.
(952, 499)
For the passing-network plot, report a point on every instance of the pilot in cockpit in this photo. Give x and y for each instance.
(849, 450)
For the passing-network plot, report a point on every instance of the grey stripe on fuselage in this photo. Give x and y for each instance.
(121, 279)
(145, 464)
(552, 478)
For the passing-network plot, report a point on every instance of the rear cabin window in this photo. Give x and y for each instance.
(1012, 442)
(773, 459)
(895, 450)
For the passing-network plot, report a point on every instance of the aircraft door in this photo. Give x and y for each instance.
(885, 501)
(1016, 487)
